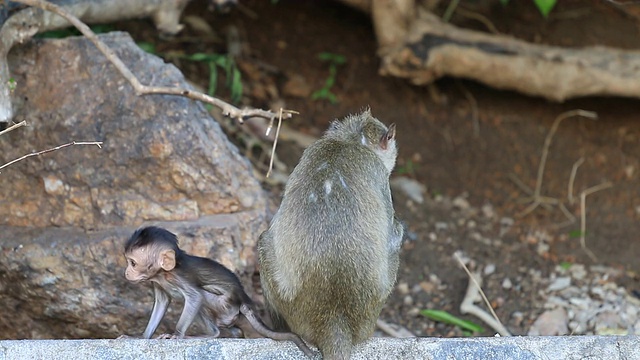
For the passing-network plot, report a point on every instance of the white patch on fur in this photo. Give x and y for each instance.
(313, 197)
(327, 186)
(344, 183)
(363, 140)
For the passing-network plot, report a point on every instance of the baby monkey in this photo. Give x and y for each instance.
(213, 294)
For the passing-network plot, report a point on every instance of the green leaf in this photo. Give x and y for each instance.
(228, 69)
(147, 46)
(332, 97)
(319, 94)
(333, 58)
(565, 265)
(236, 86)
(545, 6)
(58, 34)
(575, 234)
(445, 317)
(407, 169)
(101, 28)
(201, 57)
(504, 2)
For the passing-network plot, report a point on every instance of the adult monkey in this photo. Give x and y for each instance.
(330, 256)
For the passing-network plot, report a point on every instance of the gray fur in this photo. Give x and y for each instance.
(330, 257)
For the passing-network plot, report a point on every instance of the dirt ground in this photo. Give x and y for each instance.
(472, 203)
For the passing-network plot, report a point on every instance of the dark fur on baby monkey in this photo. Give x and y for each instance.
(330, 256)
(213, 294)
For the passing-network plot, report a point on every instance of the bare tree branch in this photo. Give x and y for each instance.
(97, 143)
(140, 89)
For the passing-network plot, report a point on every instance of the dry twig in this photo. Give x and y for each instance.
(479, 17)
(140, 89)
(471, 296)
(275, 140)
(572, 179)
(97, 143)
(536, 198)
(583, 215)
(13, 127)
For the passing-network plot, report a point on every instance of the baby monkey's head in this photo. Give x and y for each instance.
(149, 251)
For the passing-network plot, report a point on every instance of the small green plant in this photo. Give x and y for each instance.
(325, 92)
(544, 6)
(147, 46)
(63, 33)
(575, 234)
(565, 265)
(12, 84)
(226, 63)
(408, 168)
(468, 327)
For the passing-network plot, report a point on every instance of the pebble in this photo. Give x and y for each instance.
(559, 283)
(434, 279)
(489, 269)
(542, 248)
(441, 226)
(506, 284)
(517, 317)
(403, 288)
(580, 303)
(461, 203)
(578, 272)
(408, 300)
(427, 287)
(598, 291)
(410, 187)
(550, 323)
(505, 225)
(487, 211)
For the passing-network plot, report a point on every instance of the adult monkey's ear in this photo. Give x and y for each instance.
(387, 137)
(168, 260)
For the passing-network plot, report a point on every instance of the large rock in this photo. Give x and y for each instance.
(65, 215)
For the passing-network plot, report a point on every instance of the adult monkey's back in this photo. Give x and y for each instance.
(330, 257)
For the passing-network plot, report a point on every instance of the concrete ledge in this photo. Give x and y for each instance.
(507, 348)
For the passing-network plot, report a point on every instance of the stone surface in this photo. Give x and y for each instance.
(64, 215)
(163, 157)
(505, 348)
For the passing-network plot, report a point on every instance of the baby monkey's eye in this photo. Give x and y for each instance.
(133, 263)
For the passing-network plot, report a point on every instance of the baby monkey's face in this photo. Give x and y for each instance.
(140, 265)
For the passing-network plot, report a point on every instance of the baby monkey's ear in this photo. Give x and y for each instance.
(168, 260)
